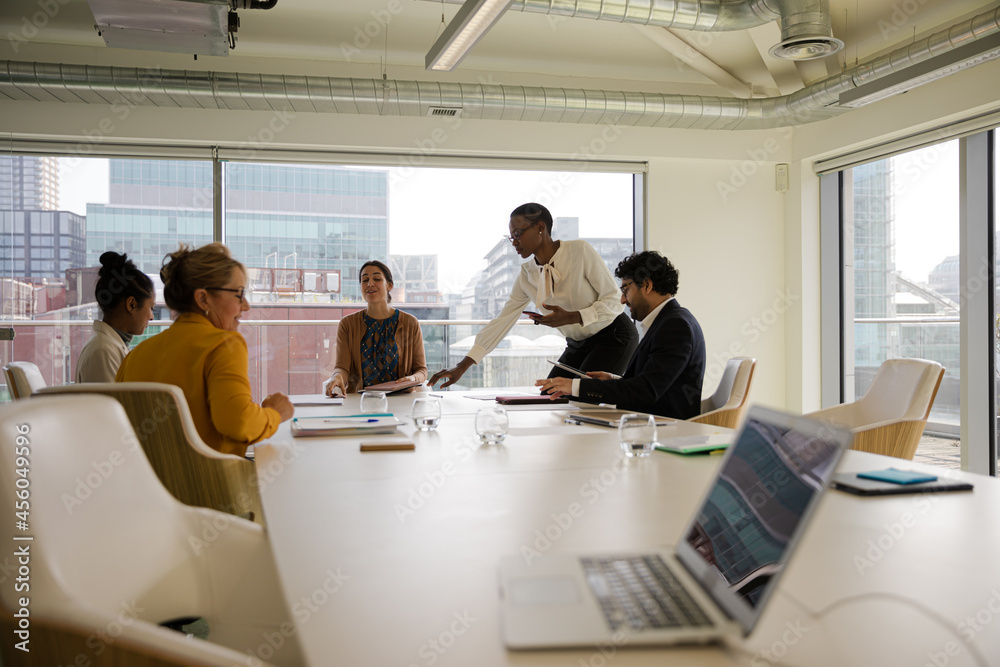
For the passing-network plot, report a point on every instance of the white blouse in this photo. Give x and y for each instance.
(575, 279)
(101, 356)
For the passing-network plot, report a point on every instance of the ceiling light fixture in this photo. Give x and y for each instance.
(471, 22)
(963, 57)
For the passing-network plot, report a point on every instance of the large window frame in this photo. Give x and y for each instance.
(977, 178)
(220, 159)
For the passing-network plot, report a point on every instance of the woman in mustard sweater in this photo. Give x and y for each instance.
(203, 353)
(378, 344)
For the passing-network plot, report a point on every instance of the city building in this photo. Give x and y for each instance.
(39, 241)
(324, 218)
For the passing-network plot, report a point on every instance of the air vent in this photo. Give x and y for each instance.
(806, 47)
(449, 112)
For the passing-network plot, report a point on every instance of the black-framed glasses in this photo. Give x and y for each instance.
(626, 285)
(240, 293)
(516, 235)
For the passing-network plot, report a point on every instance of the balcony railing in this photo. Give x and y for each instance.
(916, 336)
(295, 356)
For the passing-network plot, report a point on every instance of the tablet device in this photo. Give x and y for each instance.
(569, 369)
(851, 483)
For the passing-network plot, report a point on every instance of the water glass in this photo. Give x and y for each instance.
(426, 413)
(637, 434)
(374, 402)
(491, 425)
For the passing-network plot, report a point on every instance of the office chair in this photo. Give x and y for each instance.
(728, 405)
(23, 379)
(193, 472)
(114, 555)
(890, 418)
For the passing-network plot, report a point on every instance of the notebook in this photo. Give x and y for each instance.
(364, 424)
(852, 483)
(695, 444)
(609, 418)
(726, 567)
(393, 386)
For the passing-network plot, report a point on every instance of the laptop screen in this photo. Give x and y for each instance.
(742, 535)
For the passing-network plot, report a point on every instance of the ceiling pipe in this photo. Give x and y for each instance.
(24, 81)
(806, 28)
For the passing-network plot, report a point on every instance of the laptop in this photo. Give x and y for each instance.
(716, 581)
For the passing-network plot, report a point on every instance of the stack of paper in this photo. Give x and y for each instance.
(368, 424)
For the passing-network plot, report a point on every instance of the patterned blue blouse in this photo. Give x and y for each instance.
(379, 354)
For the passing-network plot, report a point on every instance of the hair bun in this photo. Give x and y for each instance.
(112, 260)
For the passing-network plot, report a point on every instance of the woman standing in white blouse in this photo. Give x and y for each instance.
(575, 293)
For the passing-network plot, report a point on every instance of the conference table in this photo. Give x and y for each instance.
(390, 557)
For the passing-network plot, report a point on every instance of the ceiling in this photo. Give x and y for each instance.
(351, 39)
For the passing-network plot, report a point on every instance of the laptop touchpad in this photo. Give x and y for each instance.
(542, 591)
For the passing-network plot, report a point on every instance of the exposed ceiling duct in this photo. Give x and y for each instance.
(269, 92)
(806, 29)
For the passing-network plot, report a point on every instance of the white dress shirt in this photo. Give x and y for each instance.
(575, 279)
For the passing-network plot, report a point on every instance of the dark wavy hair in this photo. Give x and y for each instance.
(385, 272)
(534, 213)
(117, 280)
(649, 265)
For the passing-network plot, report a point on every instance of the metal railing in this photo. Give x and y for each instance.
(295, 356)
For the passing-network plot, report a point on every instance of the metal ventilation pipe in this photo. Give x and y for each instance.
(270, 92)
(806, 29)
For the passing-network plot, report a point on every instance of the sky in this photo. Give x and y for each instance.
(925, 183)
(461, 213)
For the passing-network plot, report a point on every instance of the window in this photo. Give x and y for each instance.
(906, 302)
(917, 254)
(303, 231)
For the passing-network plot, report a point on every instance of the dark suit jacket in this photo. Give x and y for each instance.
(665, 374)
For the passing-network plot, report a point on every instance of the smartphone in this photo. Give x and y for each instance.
(531, 312)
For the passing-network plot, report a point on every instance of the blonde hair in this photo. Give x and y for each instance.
(187, 270)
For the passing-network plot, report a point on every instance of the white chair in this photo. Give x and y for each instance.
(114, 554)
(728, 405)
(23, 379)
(193, 472)
(890, 418)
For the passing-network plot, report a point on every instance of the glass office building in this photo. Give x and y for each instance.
(314, 217)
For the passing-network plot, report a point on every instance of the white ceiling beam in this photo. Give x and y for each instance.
(694, 59)
(783, 72)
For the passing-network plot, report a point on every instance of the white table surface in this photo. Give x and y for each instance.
(415, 536)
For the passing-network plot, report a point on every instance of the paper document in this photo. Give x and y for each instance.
(315, 399)
(366, 424)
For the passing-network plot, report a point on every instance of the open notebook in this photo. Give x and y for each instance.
(717, 580)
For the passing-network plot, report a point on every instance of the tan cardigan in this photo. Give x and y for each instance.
(409, 342)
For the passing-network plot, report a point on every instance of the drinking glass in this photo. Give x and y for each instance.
(491, 424)
(426, 413)
(374, 402)
(637, 434)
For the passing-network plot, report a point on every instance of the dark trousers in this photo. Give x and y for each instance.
(610, 349)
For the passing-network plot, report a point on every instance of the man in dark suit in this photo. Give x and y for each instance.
(665, 374)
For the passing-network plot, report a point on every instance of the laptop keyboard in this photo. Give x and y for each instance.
(642, 593)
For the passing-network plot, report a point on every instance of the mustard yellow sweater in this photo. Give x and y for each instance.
(210, 365)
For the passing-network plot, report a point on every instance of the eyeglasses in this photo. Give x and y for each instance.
(625, 286)
(516, 235)
(240, 293)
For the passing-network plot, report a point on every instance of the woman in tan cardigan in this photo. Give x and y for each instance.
(378, 344)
